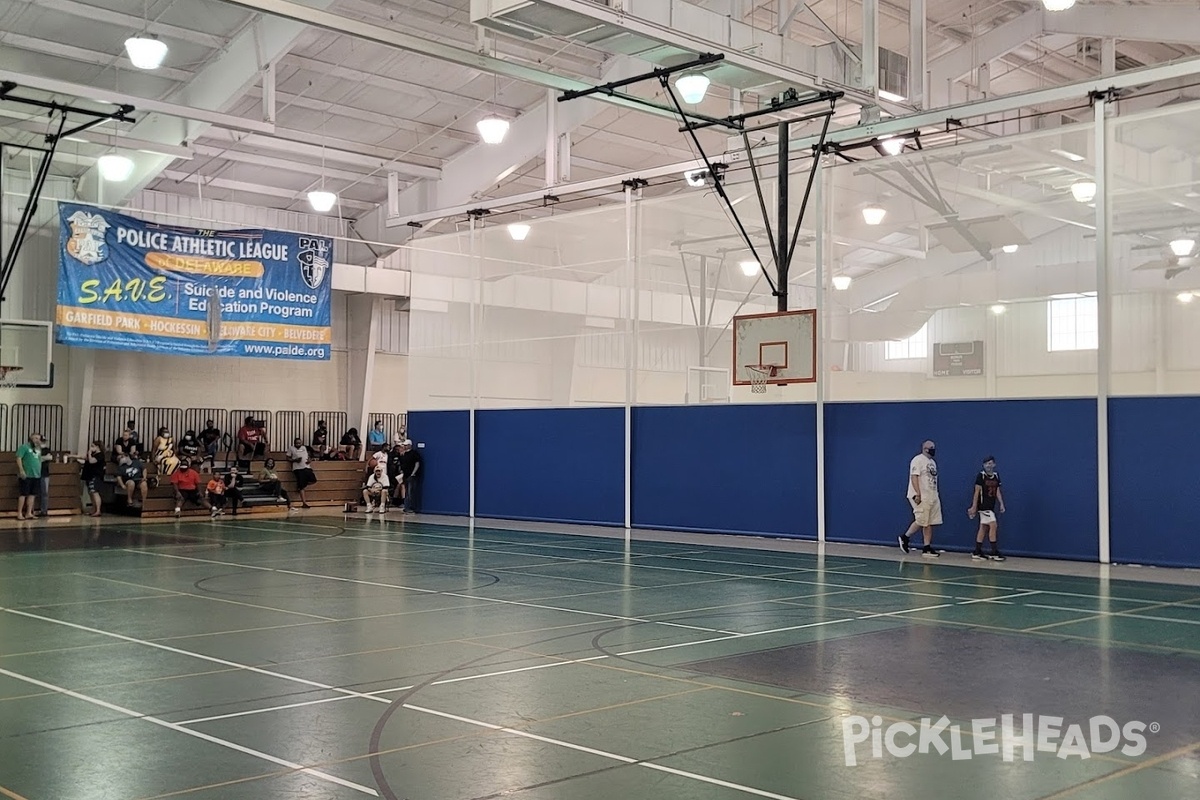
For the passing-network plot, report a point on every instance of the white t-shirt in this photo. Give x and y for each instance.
(298, 457)
(925, 468)
(377, 481)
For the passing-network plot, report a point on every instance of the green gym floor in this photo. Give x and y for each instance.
(331, 657)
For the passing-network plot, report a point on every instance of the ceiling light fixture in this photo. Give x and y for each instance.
(749, 268)
(999, 309)
(146, 52)
(842, 282)
(1083, 191)
(321, 200)
(892, 96)
(115, 167)
(1010, 248)
(893, 146)
(696, 178)
(1185, 297)
(873, 215)
(1183, 247)
(518, 231)
(692, 87)
(1067, 154)
(492, 129)
(1058, 5)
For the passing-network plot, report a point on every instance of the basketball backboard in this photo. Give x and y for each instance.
(28, 344)
(785, 340)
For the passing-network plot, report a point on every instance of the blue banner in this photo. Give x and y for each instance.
(127, 284)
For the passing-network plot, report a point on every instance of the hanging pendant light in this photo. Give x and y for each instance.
(320, 199)
(692, 87)
(115, 167)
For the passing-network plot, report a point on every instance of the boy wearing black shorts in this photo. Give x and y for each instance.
(987, 501)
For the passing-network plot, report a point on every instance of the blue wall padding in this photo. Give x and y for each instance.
(726, 468)
(551, 464)
(1152, 447)
(1046, 457)
(447, 452)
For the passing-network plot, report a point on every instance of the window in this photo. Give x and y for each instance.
(1072, 324)
(915, 346)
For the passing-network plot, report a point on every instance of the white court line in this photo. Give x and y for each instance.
(176, 593)
(1131, 614)
(376, 699)
(458, 595)
(316, 773)
(601, 753)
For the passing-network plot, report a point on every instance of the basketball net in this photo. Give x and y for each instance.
(759, 373)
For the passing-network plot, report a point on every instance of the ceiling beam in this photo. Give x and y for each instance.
(254, 188)
(132, 22)
(317, 147)
(23, 122)
(995, 43)
(1179, 24)
(82, 55)
(372, 32)
(306, 167)
(401, 87)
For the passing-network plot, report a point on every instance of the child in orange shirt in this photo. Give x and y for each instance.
(216, 496)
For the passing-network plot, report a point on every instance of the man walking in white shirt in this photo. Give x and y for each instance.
(923, 497)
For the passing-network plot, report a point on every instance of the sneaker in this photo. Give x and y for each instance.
(930, 553)
(213, 513)
(369, 510)
(177, 511)
(293, 510)
(904, 546)
(978, 556)
(996, 556)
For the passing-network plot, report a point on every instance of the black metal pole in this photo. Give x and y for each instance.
(812, 174)
(30, 210)
(781, 228)
(762, 201)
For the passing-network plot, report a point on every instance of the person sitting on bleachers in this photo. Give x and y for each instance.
(189, 449)
(92, 472)
(320, 441)
(252, 440)
(268, 481)
(350, 447)
(376, 490)
(215, 494)
(187, 487)
(126, 445)
(132, 475)
(210, 440)
(234, 482)
(164, 457)
(377, 437)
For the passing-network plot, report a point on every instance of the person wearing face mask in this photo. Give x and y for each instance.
(987, 501)
(923, 497)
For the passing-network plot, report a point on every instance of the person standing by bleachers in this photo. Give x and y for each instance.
(44, 483)
(299, 456)
(91, 472)
(412, 466)
(29, 474)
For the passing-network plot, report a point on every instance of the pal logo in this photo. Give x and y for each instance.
(87, 244)
(314, 260)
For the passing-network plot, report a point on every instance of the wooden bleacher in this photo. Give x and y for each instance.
(338, 483)
(65, 493)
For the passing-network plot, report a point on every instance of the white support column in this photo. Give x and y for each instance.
(564, 157)
(81, 373)
(1108, 56)
(820, 251)
(870, 46)
(472, 368)
(268, 93)
(630, 353)
(551, 138)
(1104, 324)
(917, 69)
(362, 322)
(1161, 310)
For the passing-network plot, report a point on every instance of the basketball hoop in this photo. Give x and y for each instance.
(759, 373)
(8, 377)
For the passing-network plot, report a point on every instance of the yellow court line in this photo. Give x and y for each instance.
(1126, 771)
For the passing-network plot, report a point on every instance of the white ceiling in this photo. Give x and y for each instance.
(364, 110)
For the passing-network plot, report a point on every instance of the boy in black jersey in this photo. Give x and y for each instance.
(987, 501)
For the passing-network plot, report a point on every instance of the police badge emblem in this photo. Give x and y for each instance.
(87, 244)
(314, 261)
